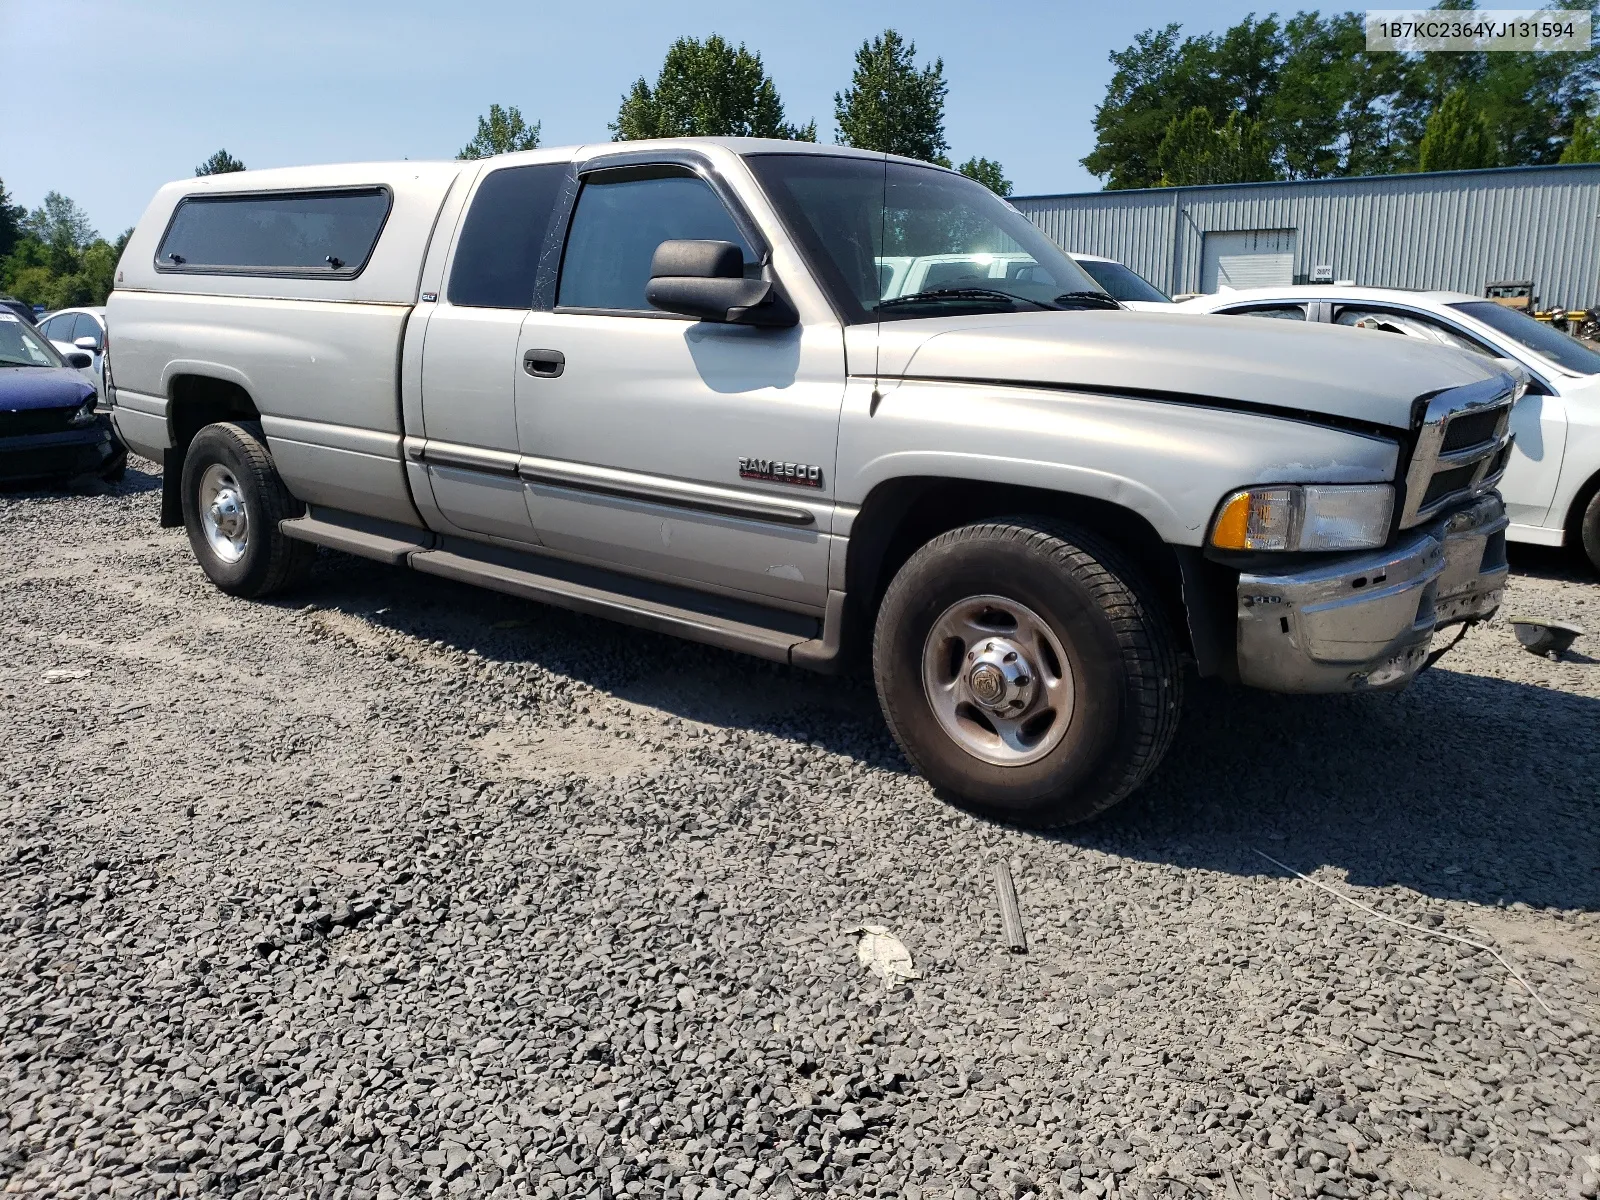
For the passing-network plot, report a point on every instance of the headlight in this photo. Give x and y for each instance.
(1307, 517)
(84, 415)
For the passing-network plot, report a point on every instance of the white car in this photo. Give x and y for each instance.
(1552, 483)
(75, 329)
(1124, 283)
(905, 276)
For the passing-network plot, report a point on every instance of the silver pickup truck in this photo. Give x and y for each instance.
(675, 384)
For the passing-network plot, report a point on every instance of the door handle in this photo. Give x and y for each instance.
(544, 364)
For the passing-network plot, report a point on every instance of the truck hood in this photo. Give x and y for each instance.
(1321, 370)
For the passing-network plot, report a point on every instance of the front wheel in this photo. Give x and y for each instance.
(233, 501)
(1589, 531)
(1027, 671)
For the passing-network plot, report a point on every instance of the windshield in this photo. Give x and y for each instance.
(1542, 339)
(1121, 282)
(20, 346)
(890, 240)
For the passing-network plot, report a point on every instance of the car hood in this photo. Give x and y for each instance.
(1316, 369)
(42, 387)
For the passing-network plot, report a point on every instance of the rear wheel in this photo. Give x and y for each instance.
(1024, 670)
(233, 501)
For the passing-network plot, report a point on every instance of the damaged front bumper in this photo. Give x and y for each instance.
(1366, 621)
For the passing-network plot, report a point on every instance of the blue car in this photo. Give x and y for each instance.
(49, 429)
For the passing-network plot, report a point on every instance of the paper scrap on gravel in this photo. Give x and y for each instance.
(884, 955)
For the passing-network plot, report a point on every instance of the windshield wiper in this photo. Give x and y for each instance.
(1085, 300)
(960, 293)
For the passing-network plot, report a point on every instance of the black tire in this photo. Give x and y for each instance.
(116, 469)
(1589, 531)
(1124, 668)
(267, 561)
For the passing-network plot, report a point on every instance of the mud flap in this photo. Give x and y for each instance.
(1211, 609)
(171, 487)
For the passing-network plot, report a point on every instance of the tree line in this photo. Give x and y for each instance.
(1268, 98)
(53, 256)
(712, 88)
(1303, 98)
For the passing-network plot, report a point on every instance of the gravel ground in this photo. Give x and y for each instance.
(400, 888)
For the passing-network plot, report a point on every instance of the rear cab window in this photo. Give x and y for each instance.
(326, 234)
(497, 255)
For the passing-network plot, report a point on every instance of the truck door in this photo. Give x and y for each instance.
(469, 352)
(692, 451)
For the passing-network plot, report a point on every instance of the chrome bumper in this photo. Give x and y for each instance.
(1365, 621)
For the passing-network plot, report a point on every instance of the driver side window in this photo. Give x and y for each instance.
(616, 227)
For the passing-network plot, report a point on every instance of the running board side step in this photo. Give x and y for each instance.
(732, 624)
(368, 537)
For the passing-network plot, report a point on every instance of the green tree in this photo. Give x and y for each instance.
(1584, 145)
(1327, 105)
(1196, 150)
(707, 89)
(891, 105)
(1337, 108)
(1457, 137)
(1164, 76)
(220, 163)
(56, 259)
(503, 131)
(59, 221)
(12, 216)
(988, 173)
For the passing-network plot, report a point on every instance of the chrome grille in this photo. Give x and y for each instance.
(1462, 448)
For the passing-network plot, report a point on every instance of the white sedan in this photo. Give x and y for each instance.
(72, 330)
(1552, 483)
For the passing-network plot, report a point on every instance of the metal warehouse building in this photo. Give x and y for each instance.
(1450, 229)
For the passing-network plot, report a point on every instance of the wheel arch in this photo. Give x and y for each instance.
(1572, 526)
(196, 399)
(900, 515)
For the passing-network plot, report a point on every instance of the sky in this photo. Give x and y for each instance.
(109, 99)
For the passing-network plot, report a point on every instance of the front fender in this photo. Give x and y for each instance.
(1169, 462)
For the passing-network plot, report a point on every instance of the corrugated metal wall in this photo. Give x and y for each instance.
(1457, 230)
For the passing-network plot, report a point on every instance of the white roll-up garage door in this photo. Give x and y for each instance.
(1242, 258)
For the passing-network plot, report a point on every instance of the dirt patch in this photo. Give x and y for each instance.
(1457, 1176)
(1571, 950)
(528, 753)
